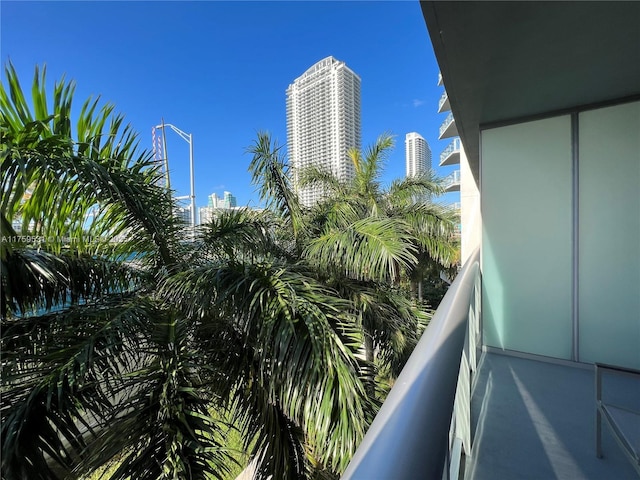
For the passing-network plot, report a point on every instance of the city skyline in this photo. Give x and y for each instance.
(215, 203)
(220, 70)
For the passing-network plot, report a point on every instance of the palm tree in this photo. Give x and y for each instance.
(117, 352)
(420, 226)
(367, 239)
(361, 241)
(93, 367)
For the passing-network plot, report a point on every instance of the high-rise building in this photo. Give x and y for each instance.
(323, 123)
(417, 155)
(184, 214)
(229, 200)
(214, 200)
(216, 205)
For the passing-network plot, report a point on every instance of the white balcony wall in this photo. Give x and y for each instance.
(526, 237)
(609, 240)
(470, 218)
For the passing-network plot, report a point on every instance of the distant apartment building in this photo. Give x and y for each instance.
(417, 155)
(214, 200)
(184, 214)
(323, 123)
(206, 214)
(227, 202)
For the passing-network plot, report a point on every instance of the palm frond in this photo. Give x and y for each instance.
(60, 370)
(53, 182)
(162, 428)
(411, 190)
(329, 182)
(35, 279)
(370, 248)
(242, 233)
(270, 173)
(374, 158)
(292, 345)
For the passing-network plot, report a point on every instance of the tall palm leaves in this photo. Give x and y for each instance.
(88, 349)
(282, 337)
(367, 239)
(86, 186)
(116, 352)
(124, 346)
(270, 174)
(283, 340)
(421, 225)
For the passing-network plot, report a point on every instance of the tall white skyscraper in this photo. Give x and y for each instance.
(417, 155)
(323, 122)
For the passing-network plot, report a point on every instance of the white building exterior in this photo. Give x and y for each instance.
(183, 213)
(214, 200)
(323, 122)
(417, 155)
(460, 180)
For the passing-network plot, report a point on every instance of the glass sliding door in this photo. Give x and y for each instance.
(526, 192)
(609, 238)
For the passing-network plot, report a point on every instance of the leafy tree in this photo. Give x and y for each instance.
(116, 351)
(129, 351)
(95, 366)
(370, 241)
(363, 240)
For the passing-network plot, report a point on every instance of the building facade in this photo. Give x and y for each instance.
(184, 214)
(323, 123)
(214, 200)
(417, 155)
(229, 200)
(460, 179)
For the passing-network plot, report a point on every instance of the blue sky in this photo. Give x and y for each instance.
(219, 70)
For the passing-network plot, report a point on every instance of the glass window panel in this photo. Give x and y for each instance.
(526, 238)
(609, 240)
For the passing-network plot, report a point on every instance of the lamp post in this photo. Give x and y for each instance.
(187, 137)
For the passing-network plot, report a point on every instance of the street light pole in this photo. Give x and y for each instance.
(187, 137)
(193, 184)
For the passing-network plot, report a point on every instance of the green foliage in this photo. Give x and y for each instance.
(117, 346)
(373, 244)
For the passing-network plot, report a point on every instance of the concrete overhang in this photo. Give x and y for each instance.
(502, 61)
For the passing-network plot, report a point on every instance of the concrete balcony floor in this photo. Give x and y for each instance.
(536, 420)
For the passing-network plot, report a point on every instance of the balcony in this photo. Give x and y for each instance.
(443, 103)
(451, 154)
(540, 417)
(451, 182)
(448, 128)
(483, 414)
(440, 79)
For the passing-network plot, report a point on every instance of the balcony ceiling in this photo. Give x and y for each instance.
(506, 60)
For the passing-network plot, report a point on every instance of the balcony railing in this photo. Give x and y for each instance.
(451, 182)
(443, 103)
(448, 127)
(451, 154)
(423, 428)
